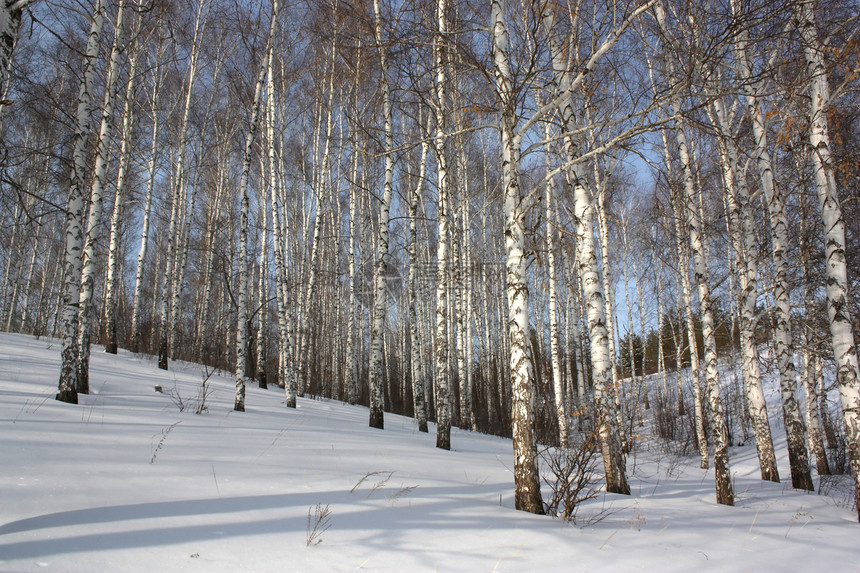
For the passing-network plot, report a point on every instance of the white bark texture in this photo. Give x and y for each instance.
(417, 371)
(838, 310)
(178, 197)
(147, 212)
(719, 432)
(557, 380)
(285, 374)
(380, 293)
(243, 294)
(118, 206)
(606, 418)
(526, 480)
(798, 457)
(74, 240)
(443, 373)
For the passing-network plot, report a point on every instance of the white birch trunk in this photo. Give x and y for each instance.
(11, 12)
(743, 239)
(443, 372)
(13, 266)
(557, 381)
(262, 286)
(25, 300)
(463, 418)
(810, 388)
(609, 302)
(352, 310)
(118, 206)
(719, 433)
(417, 371)
(686, 291)
(838, 310)
(278, 243)
(380, 294)
(243, 295)
(164, 350)
(147, 211)
(798, 457)
(88, 269)
(606, 419)
(526, 481)
(74, 239)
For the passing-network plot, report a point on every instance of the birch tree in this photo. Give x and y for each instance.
(693, 223)
(74, 235)
(178, 195)
(157, 81)
(118, 206)
(565, 81)
(11, 12)
(443, 372)
(380, 294)
(836, 286)
(526, 481)
(243, 294)
(778, 220)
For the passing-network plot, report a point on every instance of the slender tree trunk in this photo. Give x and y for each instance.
(609, 302)
(557, 381)
(117, 216)
(353, 309)
(10, 22)
(418, 382)
(96, 205)
(25, 301)
(838, 309)
(606, 419)
(380, 294)
(526, 481)
(810, 388)
(798, 457)
(719, 432)
(74, 239)
(243, 295)
(147, 211)
(686, 289)
(262, 289)
(443, 373)
(13, 268)
(164, 350)
(278, 244)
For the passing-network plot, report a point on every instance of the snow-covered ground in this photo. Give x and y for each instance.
(125, 481)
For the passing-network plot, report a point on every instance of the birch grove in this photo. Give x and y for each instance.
(432, 209)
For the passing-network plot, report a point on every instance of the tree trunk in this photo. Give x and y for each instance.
(526, 481)
(243, 295)
(74, 240)
(118, 205)
(838, 309)
(606, 419)
(798, 457)
(164, 349)
(719, 432)
(557, 381)
(380, 294)
(147, 211)
(418, 406)
(96, 203)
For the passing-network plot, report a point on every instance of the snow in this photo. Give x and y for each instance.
(125, 481)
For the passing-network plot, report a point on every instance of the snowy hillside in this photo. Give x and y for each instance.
(129, 481)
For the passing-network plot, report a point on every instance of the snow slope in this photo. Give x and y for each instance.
(125, 481)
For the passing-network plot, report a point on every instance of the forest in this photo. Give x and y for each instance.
(518, 217)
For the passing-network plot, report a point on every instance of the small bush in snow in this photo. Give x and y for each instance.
(570, 474)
